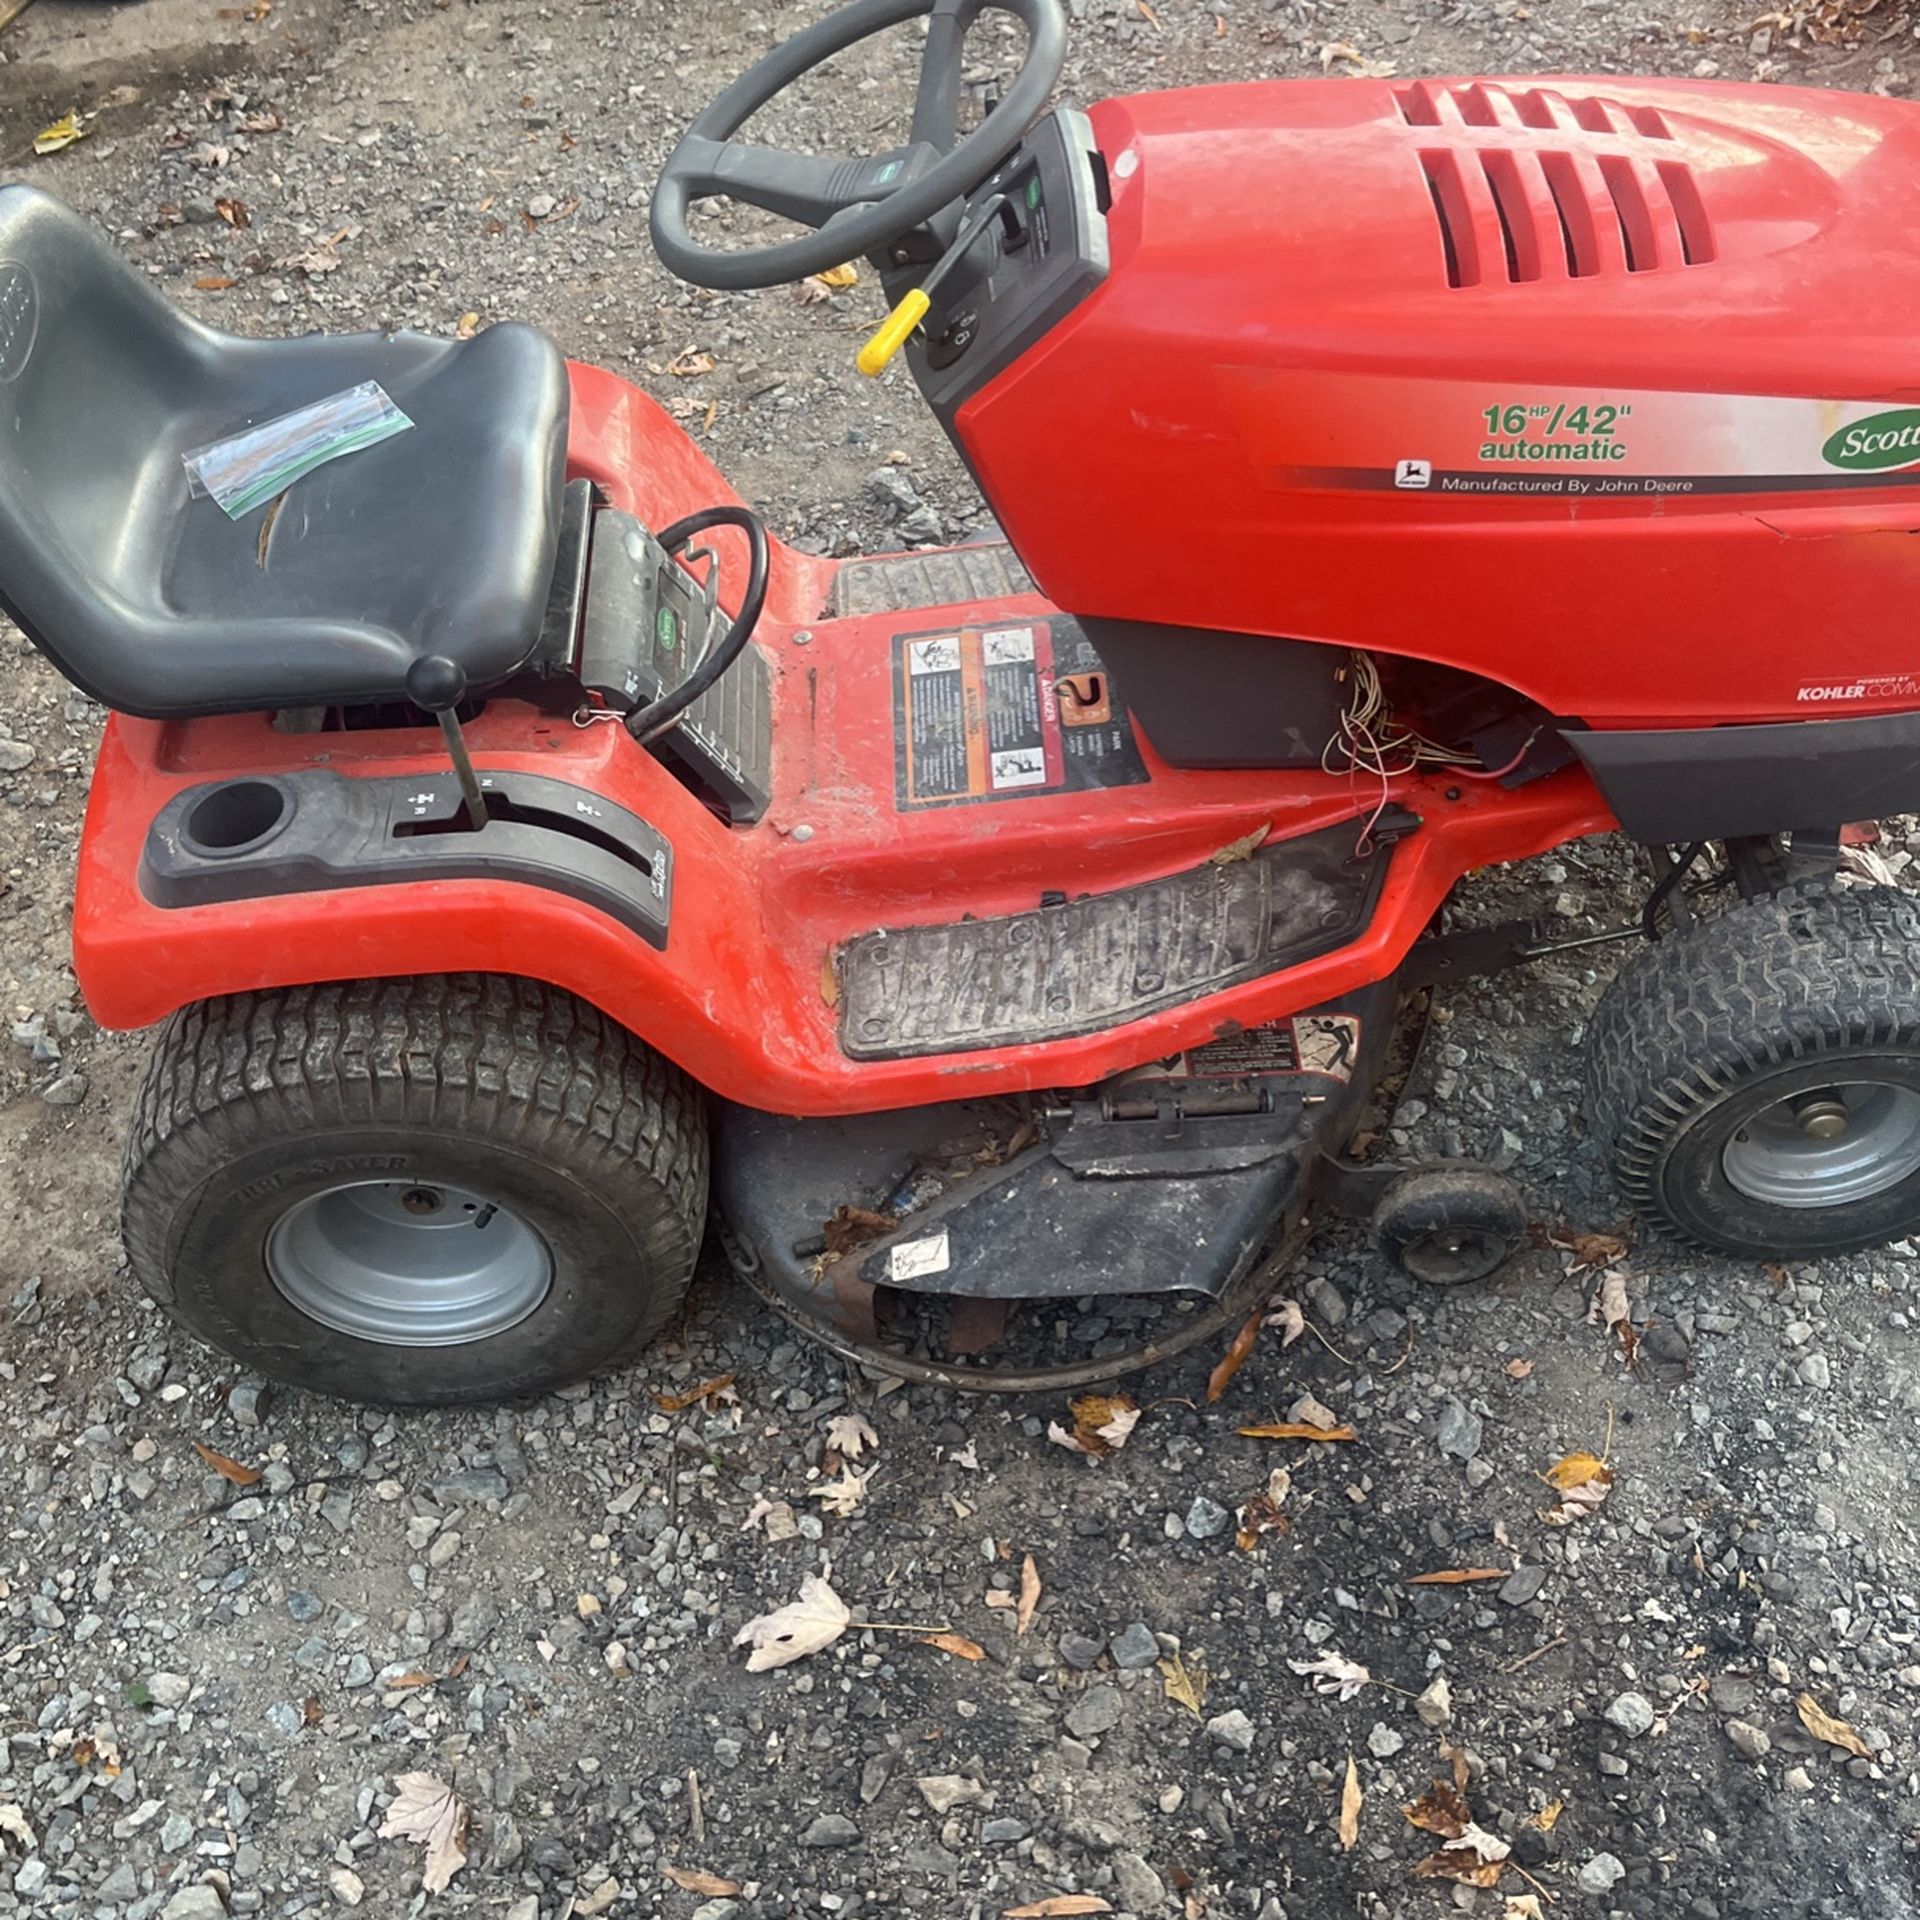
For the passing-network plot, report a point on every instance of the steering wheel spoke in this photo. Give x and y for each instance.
(809, 188)
(857, 205)
(936, 106)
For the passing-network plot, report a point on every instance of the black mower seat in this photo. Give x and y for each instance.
(438, 541)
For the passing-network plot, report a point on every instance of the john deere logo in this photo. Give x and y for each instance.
(1871, 446)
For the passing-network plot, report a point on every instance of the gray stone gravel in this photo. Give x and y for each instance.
(405, 1590)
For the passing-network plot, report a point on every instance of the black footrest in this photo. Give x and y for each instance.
(1081, 967)
(648, 626)
(908, 582)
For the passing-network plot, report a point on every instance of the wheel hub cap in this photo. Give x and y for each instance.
(1827, 1149)
(407, 1264)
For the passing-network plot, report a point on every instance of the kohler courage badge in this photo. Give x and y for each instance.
(19, 319)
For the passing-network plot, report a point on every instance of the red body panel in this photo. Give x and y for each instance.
(1210, 438)
(739, 995)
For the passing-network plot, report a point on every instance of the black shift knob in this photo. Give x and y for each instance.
(436, 684)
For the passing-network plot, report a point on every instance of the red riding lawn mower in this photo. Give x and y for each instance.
(1396, 479)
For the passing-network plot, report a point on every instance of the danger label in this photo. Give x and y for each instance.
(997, 712)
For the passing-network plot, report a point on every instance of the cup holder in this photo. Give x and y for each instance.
(235, 818)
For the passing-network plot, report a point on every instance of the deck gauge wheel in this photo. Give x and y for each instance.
(1450, 1224)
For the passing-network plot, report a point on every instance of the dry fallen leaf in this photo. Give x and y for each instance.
(817, 1619)
(1297, 1430)
(956, 1644)
(1242, 849)
(1186, 1683)
(842, 1496)
(1286, 1315)
(1865, 864)
(1461, 1864)
(692, 1880)
(1583, 1481)
(1101, 1424)
(1823, 1726)
(1609, 1306)
(693, 1396)
(234, 213)
(1590, 1249)
(822, 286)
(1522, 1906)
(1029, 1596)
(775, 1517)
(229, 1470)
(1547, 1818)
(1442, 1809)
(1058, 1904)
(1573, 1470)
(850, 1228)
(467, 326)
(691, 364)
(1262, 1514)
(429, 1813)
(1577, 1502)
(1456, 1576)
(1351, 1800)
(849, 1435)
(63, 133)
(1518, 1370)
(214, 283)
(1356, 62)
(1333, 1673)
(13, 1823)
(1235, 1356)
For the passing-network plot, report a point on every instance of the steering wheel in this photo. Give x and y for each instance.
(859, 204)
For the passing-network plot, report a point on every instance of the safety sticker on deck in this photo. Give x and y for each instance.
(1326, 1043)
(1001, 712)
(915, 1259)
(1308, 1043)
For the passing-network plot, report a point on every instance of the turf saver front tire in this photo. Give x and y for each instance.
(1754, 1080)
(417, 1192)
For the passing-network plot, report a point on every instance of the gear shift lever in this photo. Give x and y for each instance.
(437, 685)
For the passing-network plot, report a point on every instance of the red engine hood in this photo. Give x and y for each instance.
(1314, 278)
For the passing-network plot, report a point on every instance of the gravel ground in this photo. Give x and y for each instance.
(208, 1689)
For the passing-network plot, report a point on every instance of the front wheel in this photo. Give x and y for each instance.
(1754, 1080)
(415, 1192)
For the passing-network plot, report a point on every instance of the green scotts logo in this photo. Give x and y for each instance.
(1873, 445)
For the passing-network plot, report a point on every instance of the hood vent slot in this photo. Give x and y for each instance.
(1426, 103)
(1566, 190)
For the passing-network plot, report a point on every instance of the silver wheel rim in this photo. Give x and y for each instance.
(409, 1264)
(1828, 1147)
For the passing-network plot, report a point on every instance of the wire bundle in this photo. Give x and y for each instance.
(1369, 740)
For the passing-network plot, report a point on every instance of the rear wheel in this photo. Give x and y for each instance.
(418, 1192)
(1754, 1080)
